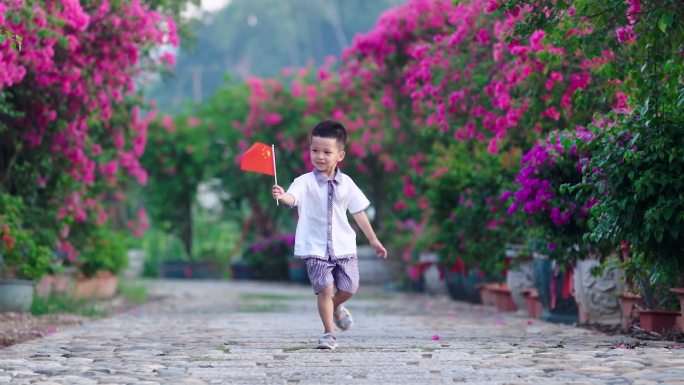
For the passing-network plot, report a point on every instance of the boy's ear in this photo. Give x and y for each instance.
(341, 155)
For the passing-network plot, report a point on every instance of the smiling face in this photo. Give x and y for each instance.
(325, 154)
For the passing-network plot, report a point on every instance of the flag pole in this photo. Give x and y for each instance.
(275, 173)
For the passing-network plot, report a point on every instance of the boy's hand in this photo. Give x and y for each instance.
(277, 192)
(379, 249)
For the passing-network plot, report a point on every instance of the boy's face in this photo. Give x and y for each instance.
(325, 154)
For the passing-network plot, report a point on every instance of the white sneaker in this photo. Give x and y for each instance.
(343, 318)
(327, 341)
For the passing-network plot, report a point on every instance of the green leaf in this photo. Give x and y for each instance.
(2, 39)
(666, 21)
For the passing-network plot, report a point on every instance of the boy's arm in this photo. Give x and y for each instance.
(363, 222)
(280, 194)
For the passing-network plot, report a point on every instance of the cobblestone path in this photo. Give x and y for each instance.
(254, 333)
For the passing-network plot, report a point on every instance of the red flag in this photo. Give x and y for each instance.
(259, 158)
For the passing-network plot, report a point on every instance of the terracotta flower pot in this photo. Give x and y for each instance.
(502, 298)
(102, 285)
(630, 305)
(533, 304)
(658, 320)
(486, 296)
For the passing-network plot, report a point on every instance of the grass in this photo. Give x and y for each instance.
(269, 297)
(261, 308)
(134, 293)
(64, 304)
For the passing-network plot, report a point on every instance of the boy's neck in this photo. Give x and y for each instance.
(330, 174)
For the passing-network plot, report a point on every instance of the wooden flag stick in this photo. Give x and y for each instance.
(275, 173)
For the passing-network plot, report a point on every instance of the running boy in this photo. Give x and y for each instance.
(324, 237)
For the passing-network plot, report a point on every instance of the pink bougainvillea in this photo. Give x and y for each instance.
(70, 81)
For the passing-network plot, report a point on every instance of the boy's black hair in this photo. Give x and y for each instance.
(331, 129)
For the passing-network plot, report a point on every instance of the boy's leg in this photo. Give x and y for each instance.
(340, 297)
(322, 282)
(346, 277)
(325, 309)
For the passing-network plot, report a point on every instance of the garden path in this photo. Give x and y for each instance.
(206, 332)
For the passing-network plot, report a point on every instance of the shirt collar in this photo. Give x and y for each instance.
(322, 179)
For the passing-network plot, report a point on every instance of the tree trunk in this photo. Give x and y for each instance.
(185, 227)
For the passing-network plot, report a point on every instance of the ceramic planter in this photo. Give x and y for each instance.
(191, 269)
(658, 320)
(16, 295)
(240, 270)
(630, 307)
(297, 271)
(549, 284)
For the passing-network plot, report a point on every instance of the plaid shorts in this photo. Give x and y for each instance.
(343, 273)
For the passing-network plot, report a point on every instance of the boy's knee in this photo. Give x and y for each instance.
(327, 292)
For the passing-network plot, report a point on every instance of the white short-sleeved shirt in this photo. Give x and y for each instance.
(310, 192)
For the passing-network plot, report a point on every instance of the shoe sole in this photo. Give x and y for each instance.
(326, 347)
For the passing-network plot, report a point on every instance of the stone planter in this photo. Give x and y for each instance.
(16, 295)
(596, 297)
(435, 282)
(519, 279)
(549, 284)
(102, 285)
(630, 306)
(658, 320)
(136, 262)
(377, 271)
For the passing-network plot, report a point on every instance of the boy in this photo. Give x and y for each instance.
(324, 237)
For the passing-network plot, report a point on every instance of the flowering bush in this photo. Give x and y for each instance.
(472, 224)
(633, 174)
(21, 254)
(268, 257)
(559, 218)
(72, 132)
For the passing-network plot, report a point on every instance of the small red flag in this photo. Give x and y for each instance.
(259, 158)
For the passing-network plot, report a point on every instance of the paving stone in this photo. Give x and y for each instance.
(210, 332)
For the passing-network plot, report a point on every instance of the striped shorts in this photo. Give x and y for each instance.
(343, 273)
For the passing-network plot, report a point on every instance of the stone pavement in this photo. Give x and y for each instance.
(254, 333)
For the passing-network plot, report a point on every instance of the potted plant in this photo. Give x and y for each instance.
(102, 257)
(469, 218)
(23, 259)
(556, 221)
(636, 168)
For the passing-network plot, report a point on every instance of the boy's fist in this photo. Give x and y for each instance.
(277, 192)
